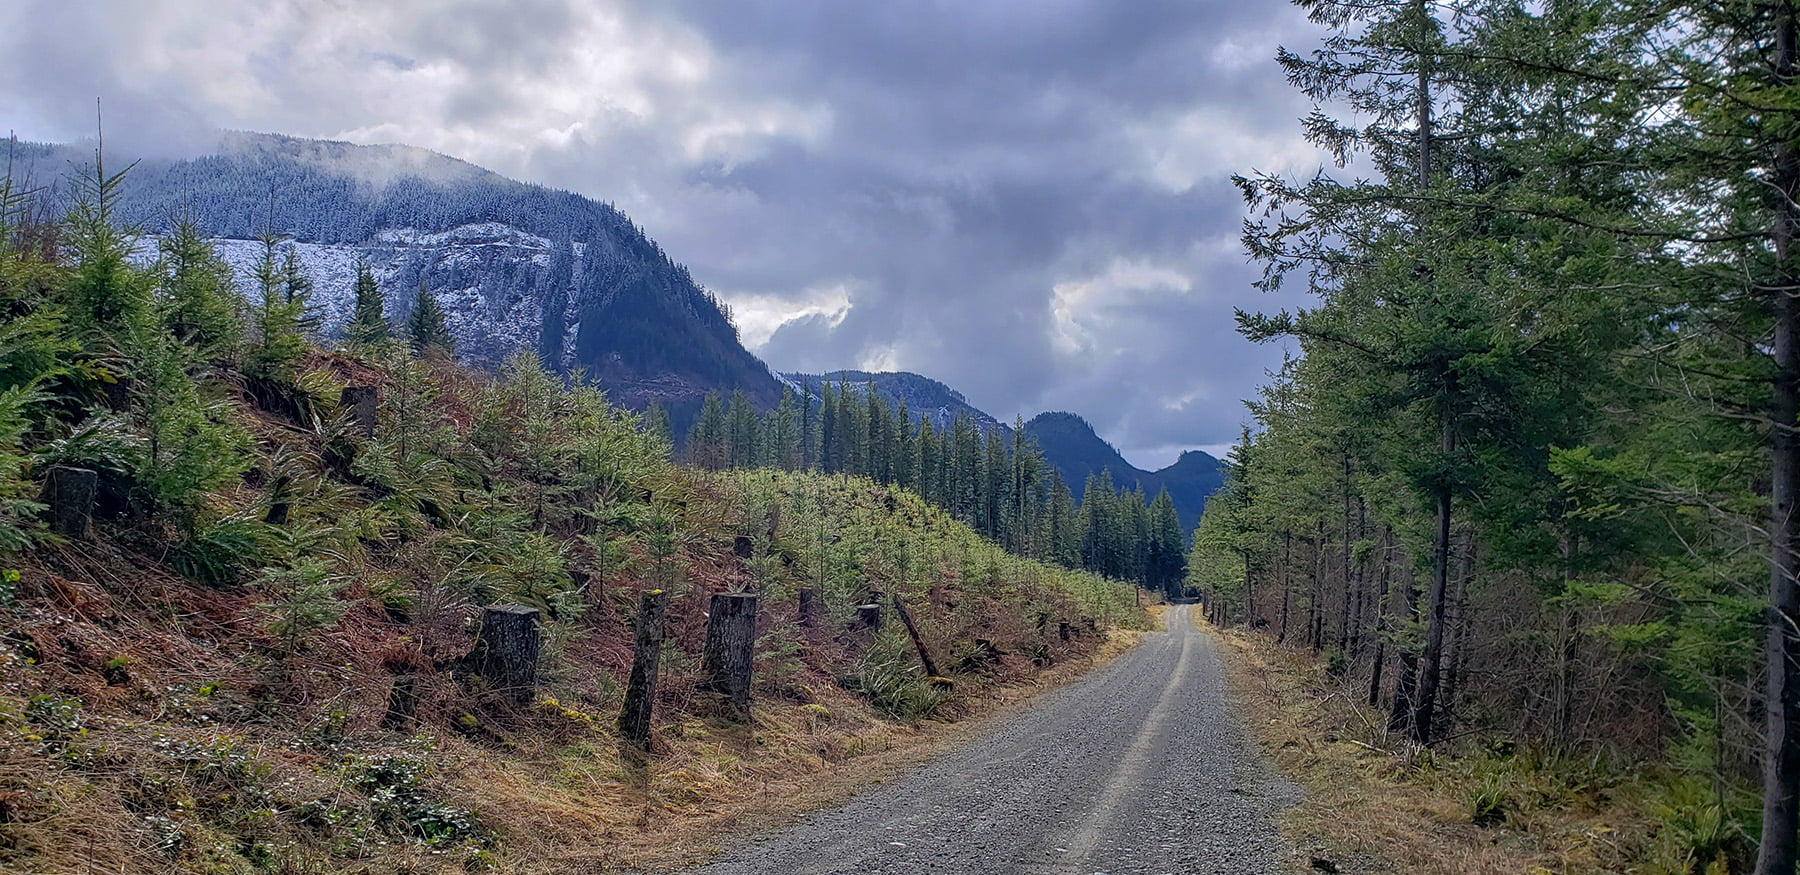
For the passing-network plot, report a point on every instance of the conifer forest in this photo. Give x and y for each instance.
(1532, 475)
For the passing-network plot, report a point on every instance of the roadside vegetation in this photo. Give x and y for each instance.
(243, 574)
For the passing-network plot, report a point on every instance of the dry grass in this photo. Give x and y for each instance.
(587, 810)
(207, 742)
(1375, 803)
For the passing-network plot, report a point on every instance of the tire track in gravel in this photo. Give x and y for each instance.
(1139, 768)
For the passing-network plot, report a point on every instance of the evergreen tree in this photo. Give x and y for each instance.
(368, 324)
(906, 451)
(709, 441)
(1165, 553)
(278, 338)
(426, 327)
(656, 423)
(809, 429)
(105, 289)
(784, 442)
(199, 301)
(742, 432)
(829, 457)
(296, 284)
(930, 464)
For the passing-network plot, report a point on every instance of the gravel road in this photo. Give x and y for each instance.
(1139, 768)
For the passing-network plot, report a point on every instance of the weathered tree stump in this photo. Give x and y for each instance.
(730, 649)
(806, 609)
(868, 617)
(69, 493)
(640, 690)
(403, 700)
(361, 401)
(912, 631)
(506, 652)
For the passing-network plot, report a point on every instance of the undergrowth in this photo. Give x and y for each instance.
(1376, 802)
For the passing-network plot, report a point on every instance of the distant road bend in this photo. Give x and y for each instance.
(1139, 768)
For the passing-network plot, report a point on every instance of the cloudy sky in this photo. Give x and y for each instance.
(1028, 200)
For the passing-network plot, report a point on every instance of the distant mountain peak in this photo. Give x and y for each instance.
(925, 397)
(1070, 444)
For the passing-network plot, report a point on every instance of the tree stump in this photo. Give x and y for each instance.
(69, 494)
(506, 652)
(403, 700)
(640, 691)
(361, 401)
(868, 617)
(806, 608)
(730, 649)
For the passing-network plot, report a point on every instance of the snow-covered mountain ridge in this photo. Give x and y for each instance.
(516, 266)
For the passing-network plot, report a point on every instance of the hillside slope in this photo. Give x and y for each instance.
(517, 266)
(301, 690)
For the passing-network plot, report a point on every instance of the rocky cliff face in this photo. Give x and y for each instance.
(517, 267)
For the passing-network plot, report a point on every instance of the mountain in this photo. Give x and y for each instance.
(1069, 444)
(516, 266)
(925, 398)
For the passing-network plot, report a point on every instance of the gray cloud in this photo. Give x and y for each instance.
(1026, 200)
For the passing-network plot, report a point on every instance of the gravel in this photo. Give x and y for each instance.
(1139, 768)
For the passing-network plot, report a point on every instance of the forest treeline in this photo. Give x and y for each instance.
(1533, 474)
(994, 481)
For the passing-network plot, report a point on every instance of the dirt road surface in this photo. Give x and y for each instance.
(1139, 768)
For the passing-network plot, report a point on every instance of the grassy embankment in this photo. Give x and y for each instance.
(208, 695)
(1377, 803)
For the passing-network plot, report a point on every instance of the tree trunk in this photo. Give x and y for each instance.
(1360, 598)
(1459, 647)
(69, 494)
(731, 649)
(1349, 578)
(1287, 555)
(640, 690)
(1249, 596)
(1315, 600)
(506, 652)
(1569, 652)
(912, 631)
(1407, 681)
(1781, 753)
(1432, 656)
(1380, 625)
